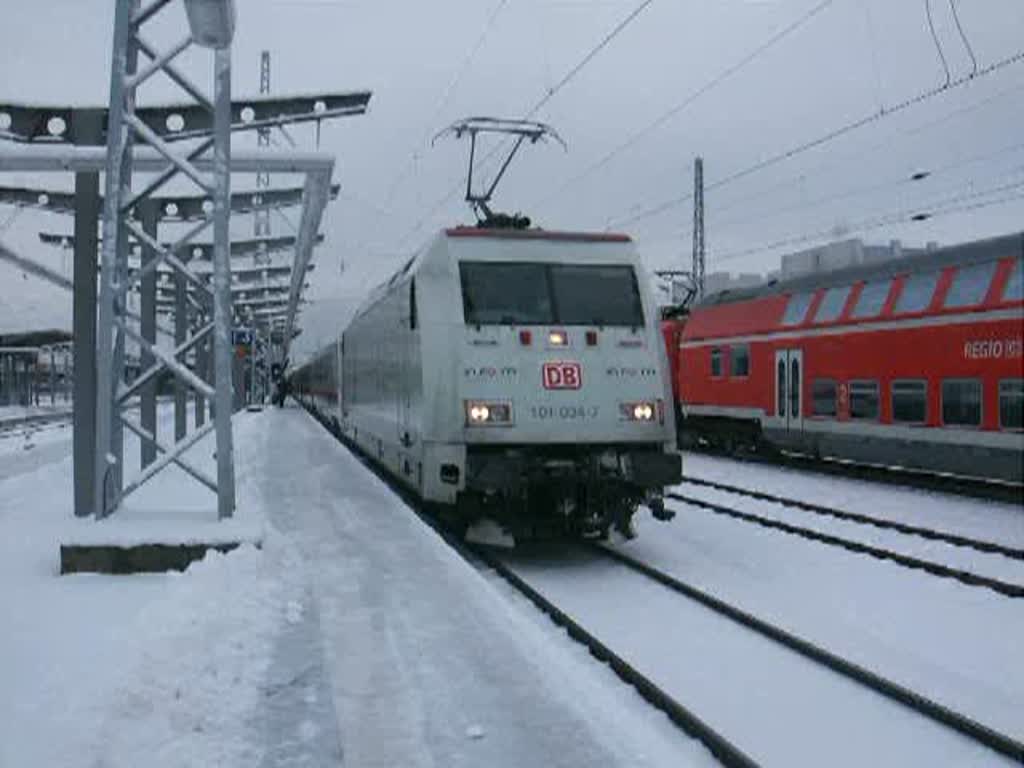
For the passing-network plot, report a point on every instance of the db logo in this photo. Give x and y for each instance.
(562, 375)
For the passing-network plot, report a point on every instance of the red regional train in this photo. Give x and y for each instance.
(915, 362)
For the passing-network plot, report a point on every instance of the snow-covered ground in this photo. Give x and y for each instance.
(161, 670)
(957, 644)
(778, 707)
(353, 631)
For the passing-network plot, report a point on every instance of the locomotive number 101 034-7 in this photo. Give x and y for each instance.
(567, 412)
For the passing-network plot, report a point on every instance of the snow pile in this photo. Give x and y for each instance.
(189, 689)
(190, 697)
(151, 669)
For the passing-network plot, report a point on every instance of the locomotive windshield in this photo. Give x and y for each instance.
(505, 293)
(495, 293)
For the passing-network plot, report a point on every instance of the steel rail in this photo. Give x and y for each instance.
(991, 738)
(724, 750)
(38, 420)
(957, 485)
(936, 569)
(989, 547)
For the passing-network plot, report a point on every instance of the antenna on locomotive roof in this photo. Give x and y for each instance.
(523, 130)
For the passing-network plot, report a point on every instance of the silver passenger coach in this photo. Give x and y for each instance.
(517, 375)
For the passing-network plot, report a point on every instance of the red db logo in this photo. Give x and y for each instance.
(562, 375)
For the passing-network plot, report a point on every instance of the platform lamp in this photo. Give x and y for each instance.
(212, 22)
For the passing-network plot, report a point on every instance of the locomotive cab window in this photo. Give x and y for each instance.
(961, 402)
(739, 360)
(501, 293)
(832, 305)
(504, 293)
(917, 292)
(796, 308)
(1011, 403)
(910, 402)
(864, 400)
(823, 397)
(1014, 290)
(970, 284)
(872, 298)
(592, 294)
(716, 361)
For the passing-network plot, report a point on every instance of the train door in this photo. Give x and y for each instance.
(789, 376)
(405, 388)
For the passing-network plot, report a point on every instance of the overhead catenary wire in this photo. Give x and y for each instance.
(549, 94)
(833, 161)
(955, 204)
(935, 39)
(830, 136)
(676, 109)
(963, 36)
(446, 97)
(905, 180)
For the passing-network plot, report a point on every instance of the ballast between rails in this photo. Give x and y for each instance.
(988, 547)
(936, 569)
(727, 753)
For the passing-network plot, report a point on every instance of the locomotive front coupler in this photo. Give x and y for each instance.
(655, 502)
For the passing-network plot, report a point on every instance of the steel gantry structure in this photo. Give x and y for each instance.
(145, 140)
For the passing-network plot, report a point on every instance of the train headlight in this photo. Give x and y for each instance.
(488, 414)
(558, 338)
(643, 411)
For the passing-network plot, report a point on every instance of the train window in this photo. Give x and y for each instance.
(796, 308)
(910, 402)
(780, 390)
(590, 294)
(823, 397)
(970, 284)
(961, 402)
(739, 360)
(1014, 290)
(1011, 403)
(917, 292)
(413, 319)
(716, 361)
(832, 305)
(794, 388)
(863, 399)
(503, 293)
(872, 298)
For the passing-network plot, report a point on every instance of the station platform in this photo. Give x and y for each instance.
(410, 655)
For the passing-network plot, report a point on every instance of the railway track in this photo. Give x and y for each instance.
(929, 708)
(724, 749)
(10, 427)
(988, 547)
(928, 566)
(971, 487)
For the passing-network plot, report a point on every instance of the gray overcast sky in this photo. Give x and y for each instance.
(422, 61)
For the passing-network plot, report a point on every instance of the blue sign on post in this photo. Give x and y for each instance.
(241, 337)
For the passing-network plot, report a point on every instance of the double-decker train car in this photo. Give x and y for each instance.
(915, 362)
(512, 374)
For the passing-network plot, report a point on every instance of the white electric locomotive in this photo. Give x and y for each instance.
(512, 374)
